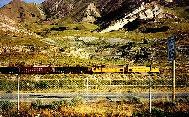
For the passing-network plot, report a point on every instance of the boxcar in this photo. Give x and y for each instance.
(72, 70)
(9, 70)
(36, 70)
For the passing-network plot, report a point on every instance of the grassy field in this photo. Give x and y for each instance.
(103, 108)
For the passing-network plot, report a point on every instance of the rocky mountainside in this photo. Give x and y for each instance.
(76, 9)
(16, 16)
(144, 12)
(9, 27)
(21, 11)
(102, 12)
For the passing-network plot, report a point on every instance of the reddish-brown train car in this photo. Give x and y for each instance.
(36, 70)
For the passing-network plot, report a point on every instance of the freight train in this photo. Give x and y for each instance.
(125, 69)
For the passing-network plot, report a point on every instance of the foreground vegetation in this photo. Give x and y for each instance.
(103, 108)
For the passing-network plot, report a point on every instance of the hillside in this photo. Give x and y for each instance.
(21, 11)
(69, 34)
(16, 39)
(108, 9)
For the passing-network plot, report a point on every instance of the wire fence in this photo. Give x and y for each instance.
(89, 81)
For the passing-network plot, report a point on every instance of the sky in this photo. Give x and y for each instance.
(3, 2)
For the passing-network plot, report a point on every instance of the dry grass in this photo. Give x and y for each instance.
(102, 108)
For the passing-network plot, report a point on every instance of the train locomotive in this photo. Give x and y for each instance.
(125, 69)
(78, 69)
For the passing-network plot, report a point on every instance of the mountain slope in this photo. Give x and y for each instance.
(77, 8)
(109, 10)
(12, 28)
(21, 11)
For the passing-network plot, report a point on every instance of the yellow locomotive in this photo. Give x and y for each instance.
(124, 69)
(142, 69)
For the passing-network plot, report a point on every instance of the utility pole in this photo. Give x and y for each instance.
(150, 84)
(87, 87)
(171, 57)
(173, 96)
(87, 84)
(150, 95)
(18, 93)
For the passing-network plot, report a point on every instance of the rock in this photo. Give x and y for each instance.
(91, 13)
(145, 11)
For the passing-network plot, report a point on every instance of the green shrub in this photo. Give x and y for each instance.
(36, 104)
(157, 112)
(42, 85)
(6, 105)
(76, 101)
(56, 104)
(134, 100)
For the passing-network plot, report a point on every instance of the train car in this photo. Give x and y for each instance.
(142, 69)
(110, 69)
(73, 70)
(36, 70)
(9, 70)
(124, 69)
(155, 70)
(138, 69)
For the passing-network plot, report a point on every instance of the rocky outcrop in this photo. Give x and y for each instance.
(7, 24)
(91, 13)
(11, 27)
(78, 9)
(57, 8)
(145, 11)
(85, 10)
